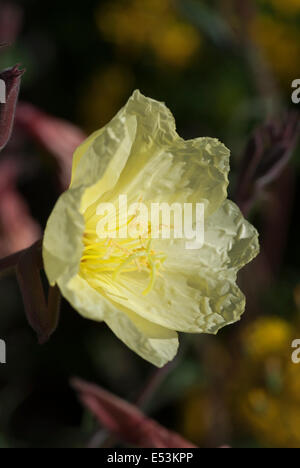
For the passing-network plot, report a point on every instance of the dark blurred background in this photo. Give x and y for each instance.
(225, 69)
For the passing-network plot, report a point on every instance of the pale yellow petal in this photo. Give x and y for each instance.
(62, 244)
(230, 241)
(100, 167)
(85, 299)
(196, 289)
(82, 150)
(232, 237)
(202, 302)
(134, 135)
(156, 344)
(139, 153)
(194, 171)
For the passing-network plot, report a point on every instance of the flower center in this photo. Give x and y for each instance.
(117, 256)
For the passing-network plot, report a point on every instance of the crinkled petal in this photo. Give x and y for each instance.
(152, 342)
(141, 127)
(100, 167)
(82, 150)
(202, 302)
(194, 171)
(196, 291)
(233, 239)
(230, 241)
(85, 299)
(62, 244)
(140, 154)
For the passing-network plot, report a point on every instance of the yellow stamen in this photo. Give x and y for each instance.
(119, 256)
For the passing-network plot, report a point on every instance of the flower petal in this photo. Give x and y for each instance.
(82, 149)
(196, 291)
(62, 244)
(85, 299)
(139, 153)
(230, 241)
(100, 160)
(194, 171)
(156, 344)
(232, 237)
(191, 303)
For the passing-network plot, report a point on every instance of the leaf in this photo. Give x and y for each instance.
(18, 230)
(42, 316)
(12, 80)
(58, 136)
(125, 420)
(11, 19)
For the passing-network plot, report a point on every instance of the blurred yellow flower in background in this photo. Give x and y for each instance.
(150, 25)
(269, 400)
(274, 419)
(286, 6)
(280, 43)
(266, 336)
(146, 290)
(177, 44)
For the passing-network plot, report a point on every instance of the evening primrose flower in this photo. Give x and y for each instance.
(147, 290)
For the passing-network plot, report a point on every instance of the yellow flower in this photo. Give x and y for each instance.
(288, 6)
(267, 336)
(150, 25)
(177, 44)
(274, 417)
(280, 44)
(147, 290)
(268, 384)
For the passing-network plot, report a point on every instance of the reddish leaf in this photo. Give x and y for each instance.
(125, 420)
(42, 316)
(30, 283)
(12, 80)
(11, 16)
(53, 312)
(9, 170)
(18, 230)
(58, 136)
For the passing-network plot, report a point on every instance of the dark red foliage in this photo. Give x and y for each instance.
(125, 420)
